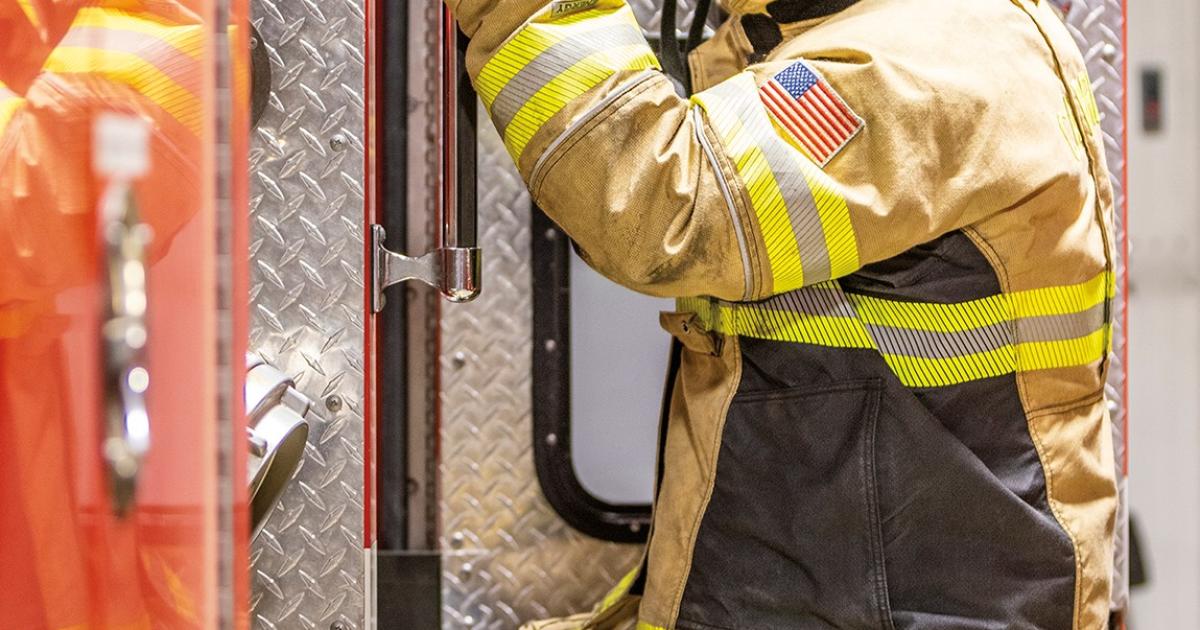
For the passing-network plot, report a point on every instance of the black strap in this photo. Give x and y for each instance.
(674, 61)
(672, 58)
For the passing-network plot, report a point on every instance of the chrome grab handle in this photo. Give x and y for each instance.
(454, 271)
(454, 266)
(124, 335)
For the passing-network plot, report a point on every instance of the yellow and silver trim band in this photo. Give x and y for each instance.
(802, 216)
(555, 59)
(929, 344)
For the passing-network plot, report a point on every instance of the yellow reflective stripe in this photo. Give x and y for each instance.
(131, 70)
(939, 372)
(822, 330)
(777, 324)
(619, 591)
(572, 84)
(9, 104)
(642, 625)
(933, 317)
(31, 13)
(726, 106)
(1043, 355)
(928, 344)
(840, 239)
(187, 38)
(1064, 299)
(534, 39)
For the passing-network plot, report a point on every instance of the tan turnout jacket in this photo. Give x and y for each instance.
(891, 239)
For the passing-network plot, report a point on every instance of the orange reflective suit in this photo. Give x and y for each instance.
(66, 563)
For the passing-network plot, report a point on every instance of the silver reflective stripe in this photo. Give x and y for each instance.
(821, 300)
(927, 344)
(587, 116)
(698, 123)
(784, 162)
(1058, 327)
(930, 344)
(552, 63)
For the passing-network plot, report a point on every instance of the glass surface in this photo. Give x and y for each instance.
(619, 360)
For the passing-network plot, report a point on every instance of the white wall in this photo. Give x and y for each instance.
(1164, 221)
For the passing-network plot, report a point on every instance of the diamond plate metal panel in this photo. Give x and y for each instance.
(1098, 27)
(508, 557)
(307, 305)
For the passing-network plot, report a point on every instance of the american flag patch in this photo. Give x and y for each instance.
(813, 113)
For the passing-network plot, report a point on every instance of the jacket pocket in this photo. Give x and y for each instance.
(791, 536)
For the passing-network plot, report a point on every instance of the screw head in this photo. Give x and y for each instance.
(1109, 52)
(337, 625)
(334, 403)
(253, 42)
(337, 143)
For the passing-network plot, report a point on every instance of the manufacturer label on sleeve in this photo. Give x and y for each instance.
(567, 7)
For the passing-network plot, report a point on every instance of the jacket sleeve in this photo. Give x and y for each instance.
(721, 194)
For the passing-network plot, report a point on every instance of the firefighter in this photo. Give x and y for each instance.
(67, 564)
(889, 227)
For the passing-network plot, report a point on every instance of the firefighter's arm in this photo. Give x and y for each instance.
(723, 194)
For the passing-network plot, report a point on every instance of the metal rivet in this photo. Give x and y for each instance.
(467, 568)
(333, 403)
(337, 625)
(551, 234)
(1109, 52)
(552, 439)
(253, 42)
(457, 539)
(337, 143)
(460, 360)
(551, 345)
(468, 620)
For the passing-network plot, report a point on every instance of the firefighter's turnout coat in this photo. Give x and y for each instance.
(890, 232)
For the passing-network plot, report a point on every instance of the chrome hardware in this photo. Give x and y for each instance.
(454, 271)
(278, 420)
(121, 155)
(124, 335)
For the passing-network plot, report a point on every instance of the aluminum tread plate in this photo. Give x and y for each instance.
(307, 305)
(508, 557)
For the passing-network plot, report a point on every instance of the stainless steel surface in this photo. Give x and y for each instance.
(453, 271)
(124, 239)
(309, 566)
(1098, 27)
